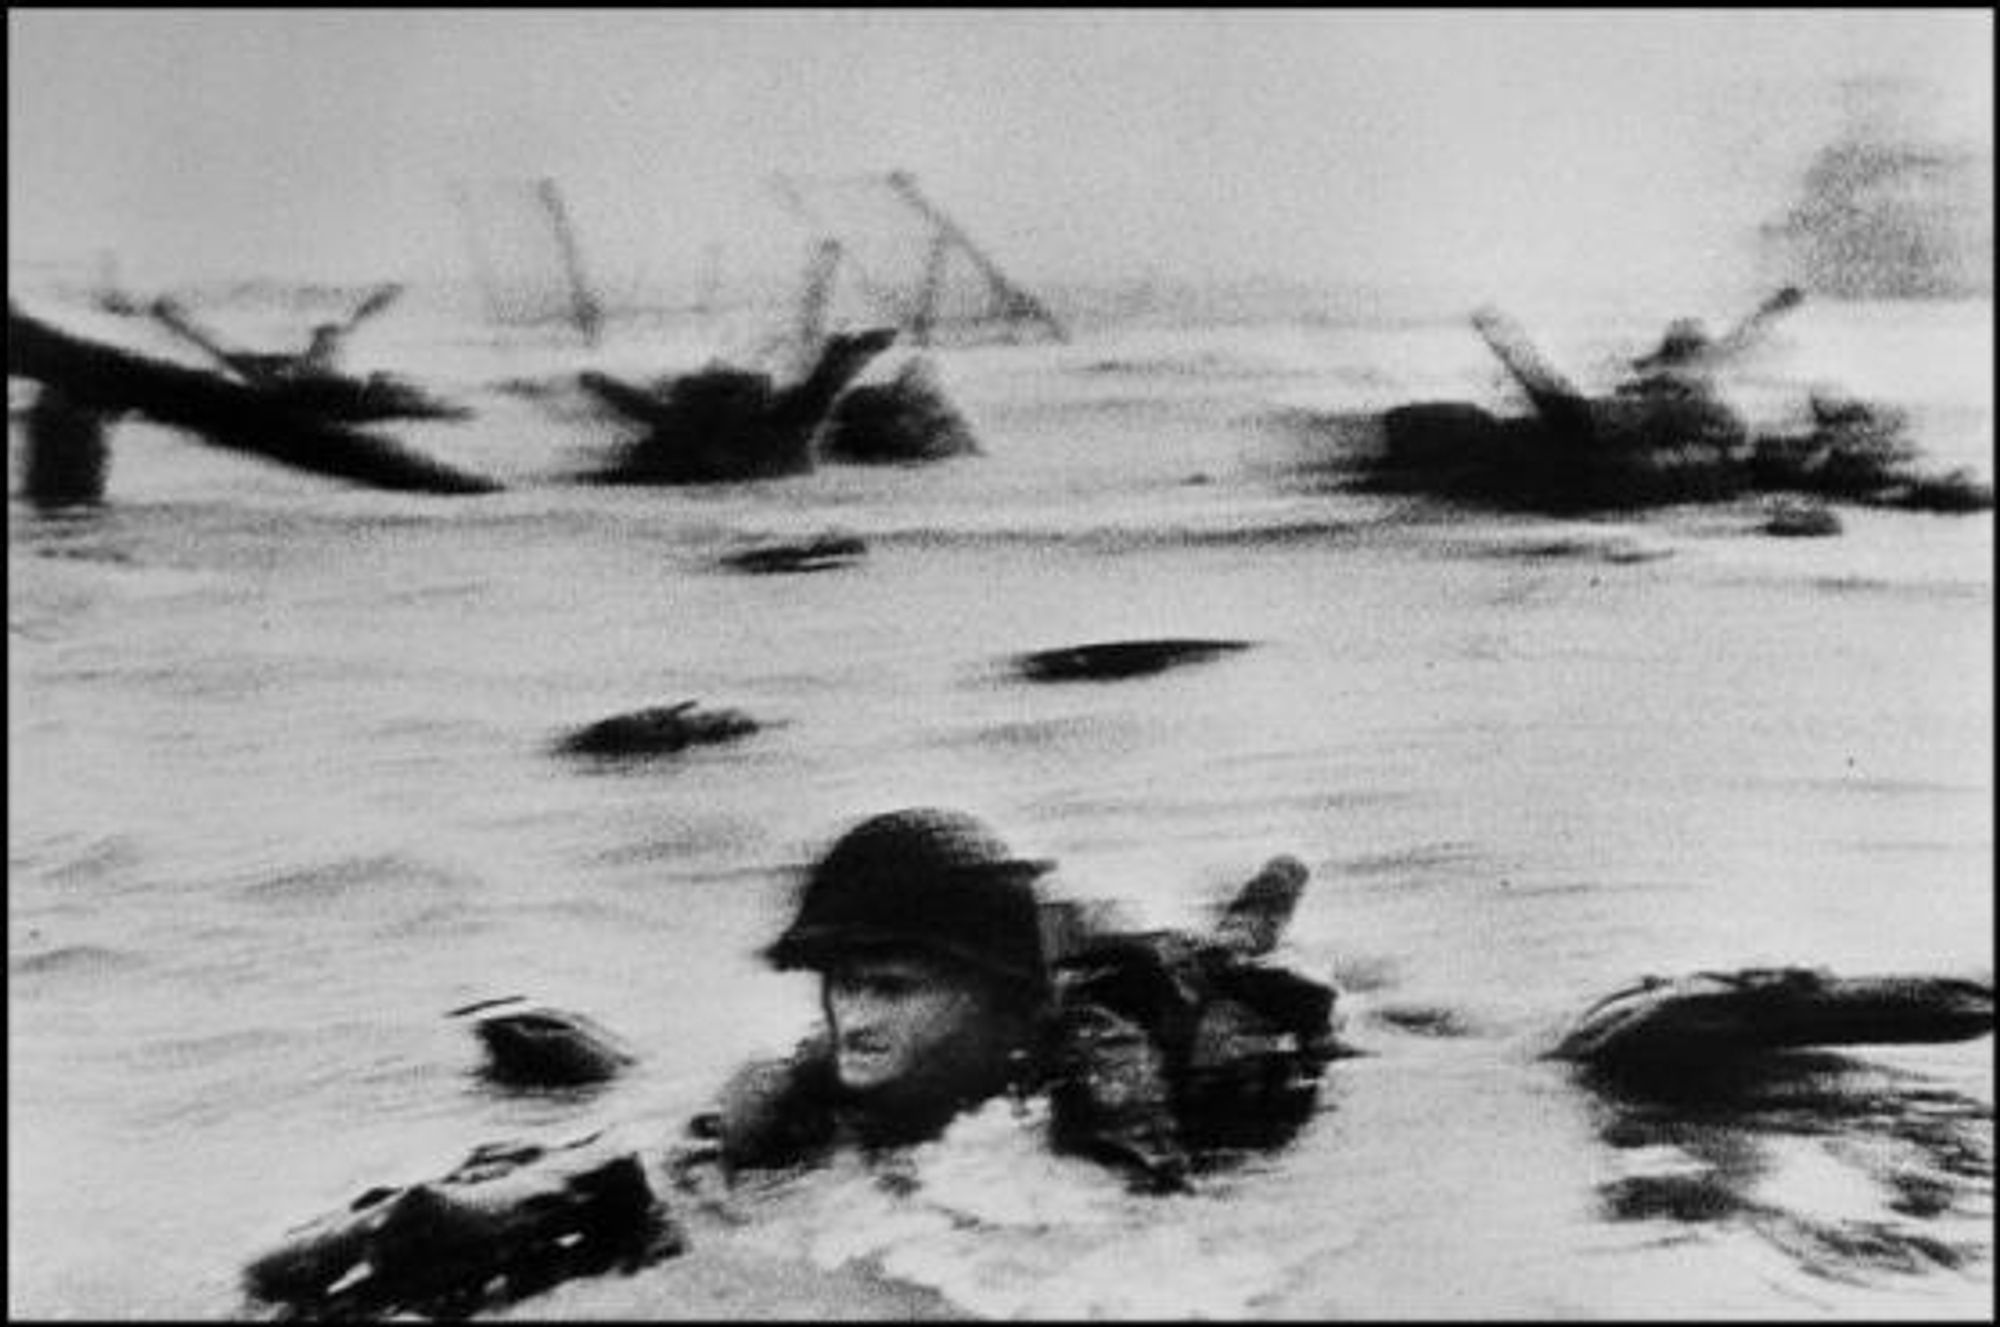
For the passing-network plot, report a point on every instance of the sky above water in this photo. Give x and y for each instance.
(1483, 150)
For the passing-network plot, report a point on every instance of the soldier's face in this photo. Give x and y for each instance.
(898, 1020)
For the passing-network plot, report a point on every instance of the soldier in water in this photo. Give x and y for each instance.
(938, 993)
(934, 986)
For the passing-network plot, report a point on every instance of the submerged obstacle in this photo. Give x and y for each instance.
(910, 260)
(308, 381)
(726, 424)
(68, 453)
(107, 380)
(1112, 660)
(908, 418)
(1662, 437)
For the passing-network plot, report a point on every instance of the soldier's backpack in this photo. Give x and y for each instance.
(1172, 1049)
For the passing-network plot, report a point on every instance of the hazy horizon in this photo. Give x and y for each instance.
(1485, 151)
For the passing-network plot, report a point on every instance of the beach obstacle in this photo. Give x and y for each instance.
(95, 378)
(68, 454)
(907, 418)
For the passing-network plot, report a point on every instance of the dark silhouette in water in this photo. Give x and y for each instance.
(908, 418)
(67, 451)
(511, 1220)
(724, 423)
(820, 553)
(221, 411)
(1111, 660)
(1792, 518)
(658, 729)
(1713, 1015)
(311, 380)
(535, 1046)
(1663, 437)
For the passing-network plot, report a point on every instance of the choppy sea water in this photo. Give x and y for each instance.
(281, 794)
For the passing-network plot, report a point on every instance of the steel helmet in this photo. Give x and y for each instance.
(933, 880)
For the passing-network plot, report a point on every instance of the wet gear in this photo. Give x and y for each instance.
(1234, 1050)
(510, 1220)
(536, 1046)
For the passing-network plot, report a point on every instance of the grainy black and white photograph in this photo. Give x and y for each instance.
(1000, 664)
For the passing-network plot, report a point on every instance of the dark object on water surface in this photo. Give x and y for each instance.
(907, 418)
(309, 382)
(1119, 659)
(1720, 1015)
(819, 553)
(221, 411)
(67, 453)
(1954, 492)
(378, 396)
(724, 423)
(658, 729)
(1801, 520)
(510, 1220)
(1664, 437)
(540, 1047)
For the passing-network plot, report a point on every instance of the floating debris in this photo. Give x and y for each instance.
(658, 729)
(535, 1046)
(819, 553)
(1111, 660)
